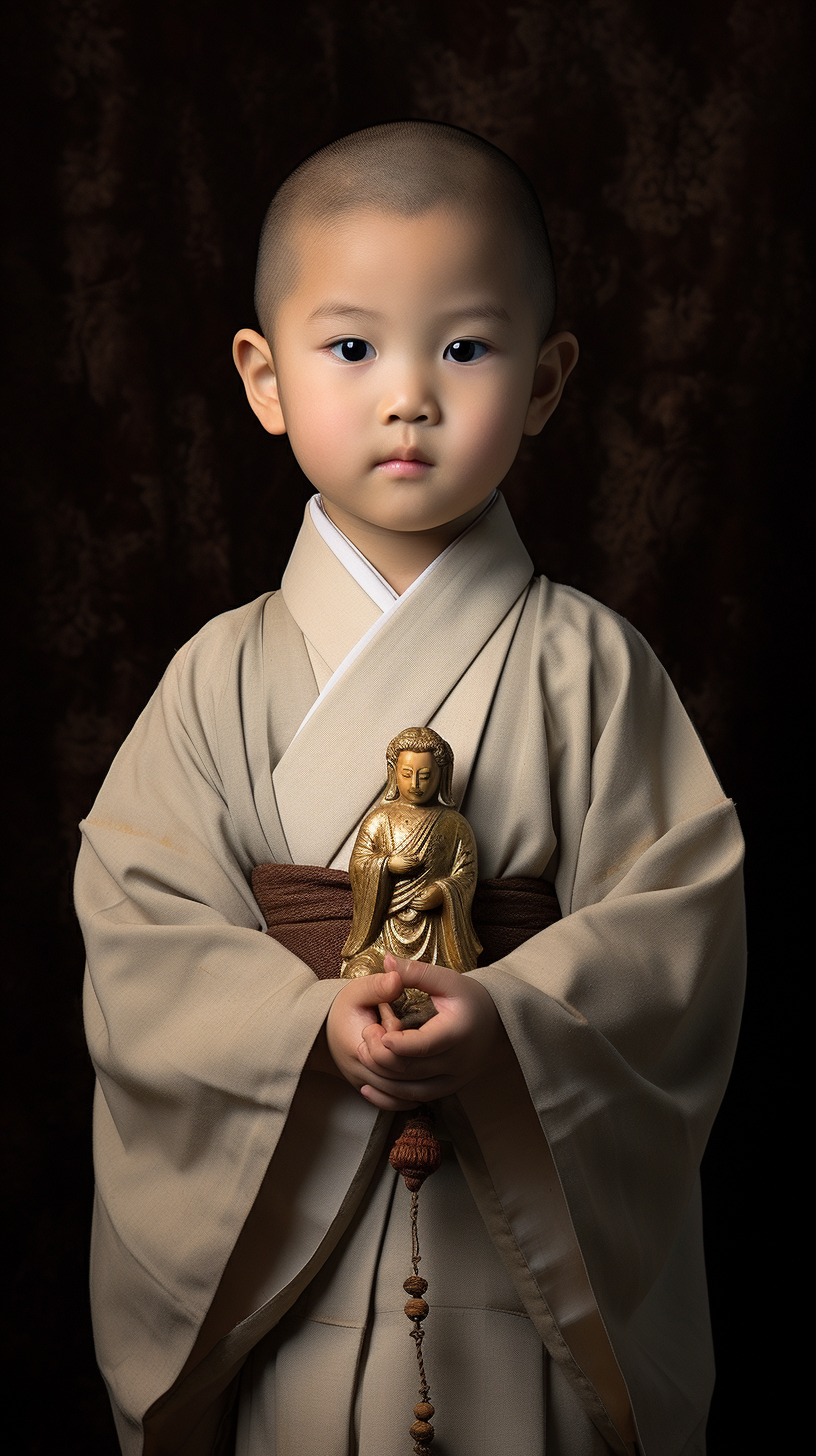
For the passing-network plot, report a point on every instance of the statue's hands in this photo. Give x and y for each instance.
(402, 864)
(427, 899)
(354, 1010)
(462, 1040)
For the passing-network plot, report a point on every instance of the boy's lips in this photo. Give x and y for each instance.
(408, 462)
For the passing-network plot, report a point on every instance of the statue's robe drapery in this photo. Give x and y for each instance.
(244, 1215)
(385, 919)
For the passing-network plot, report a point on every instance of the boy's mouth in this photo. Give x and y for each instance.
(407, 462)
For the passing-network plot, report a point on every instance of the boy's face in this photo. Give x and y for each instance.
(403, 365)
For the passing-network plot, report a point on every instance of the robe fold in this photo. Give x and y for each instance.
(247, 1226)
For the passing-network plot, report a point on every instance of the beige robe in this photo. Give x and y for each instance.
(243, 1208)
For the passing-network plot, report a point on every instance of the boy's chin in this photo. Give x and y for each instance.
(406, 507)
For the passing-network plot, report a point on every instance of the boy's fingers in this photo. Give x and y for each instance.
(374, 1055)
(382, 985)
(433, 979)
(437, 1037)
(389, 1020)
(386, 1102)
(426, 1090)
(372, 990)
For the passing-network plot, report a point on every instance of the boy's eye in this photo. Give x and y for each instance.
(352, 350)
(464, 351)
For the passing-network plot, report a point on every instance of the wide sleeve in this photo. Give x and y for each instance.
(623, 1019)
(199, 1027)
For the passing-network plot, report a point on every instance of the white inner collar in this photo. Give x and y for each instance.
(370, 580)
(358, 566)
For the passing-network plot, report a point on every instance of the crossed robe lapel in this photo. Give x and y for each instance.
(333, 771)
(306, 630)
(330, 607)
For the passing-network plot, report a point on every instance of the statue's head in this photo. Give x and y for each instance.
(430, 760)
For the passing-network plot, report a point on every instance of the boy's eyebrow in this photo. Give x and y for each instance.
(483, 310)
(338, 307)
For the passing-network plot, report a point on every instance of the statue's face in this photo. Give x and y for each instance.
(418, 776)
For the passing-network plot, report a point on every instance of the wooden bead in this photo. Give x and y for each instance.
(416, 1153)
(416, 1309)
(422, 1432)
(423, 1410)
(415, 1284)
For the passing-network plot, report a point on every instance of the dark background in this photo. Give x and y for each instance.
(668, 145)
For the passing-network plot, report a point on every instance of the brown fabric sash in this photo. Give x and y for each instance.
(308, 909)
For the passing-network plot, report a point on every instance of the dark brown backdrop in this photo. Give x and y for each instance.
(146, 139)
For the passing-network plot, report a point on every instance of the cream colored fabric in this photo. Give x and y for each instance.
(343, 1351)
(316, 580)
(574, 757)
(365, 575)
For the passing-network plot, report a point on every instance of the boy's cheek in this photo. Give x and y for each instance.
(321, 439)
(492, 434)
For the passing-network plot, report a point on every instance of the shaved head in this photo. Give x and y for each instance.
(406, 168)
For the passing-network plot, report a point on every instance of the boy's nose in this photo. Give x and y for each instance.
(410, 399)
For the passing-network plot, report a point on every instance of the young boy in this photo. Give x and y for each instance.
(249, 1240)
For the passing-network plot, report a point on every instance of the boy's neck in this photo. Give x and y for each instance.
(399, 556)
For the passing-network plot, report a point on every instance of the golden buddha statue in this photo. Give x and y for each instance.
(413, 872)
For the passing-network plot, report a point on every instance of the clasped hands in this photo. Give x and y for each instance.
(396, 1069)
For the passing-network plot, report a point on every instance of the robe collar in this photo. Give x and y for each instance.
(331, 608)
(400, 674)
(356, 564)
(342, 627)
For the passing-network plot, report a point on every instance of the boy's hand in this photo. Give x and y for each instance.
(353, 1011)
(398, 1068)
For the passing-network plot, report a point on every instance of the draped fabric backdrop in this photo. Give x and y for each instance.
(146, 139)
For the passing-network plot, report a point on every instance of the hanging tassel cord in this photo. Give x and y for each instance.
(418, 1333)
(416, 1154)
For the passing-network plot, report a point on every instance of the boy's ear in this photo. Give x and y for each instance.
(254, 362)
(556, 360)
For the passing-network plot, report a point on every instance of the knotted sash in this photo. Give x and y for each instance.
(308, 909)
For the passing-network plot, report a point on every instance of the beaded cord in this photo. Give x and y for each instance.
(416, 1154)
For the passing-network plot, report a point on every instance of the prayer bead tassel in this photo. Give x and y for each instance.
(416, 1154)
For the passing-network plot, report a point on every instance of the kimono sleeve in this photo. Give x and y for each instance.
(198, 1026)
(623, 1018)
